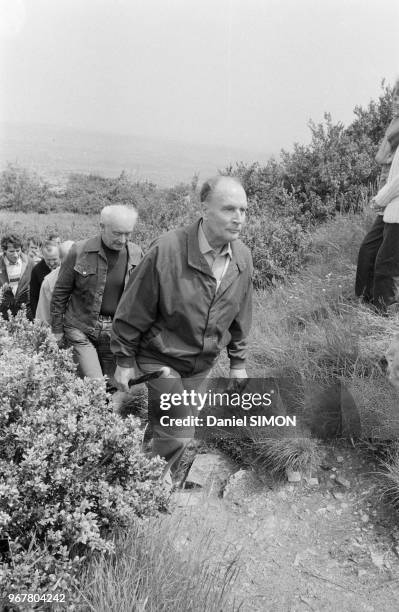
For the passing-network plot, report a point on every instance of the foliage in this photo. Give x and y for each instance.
(155, 569)
(71, 471)
(390, 475)
(278, 247)
(22, 190)
(335, 172)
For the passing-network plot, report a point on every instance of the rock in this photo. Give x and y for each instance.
(293, 476)
(343, 482)
(240, 486)
(297, 560)
(364, 518)
(361, 572)
(340, 459)
(313, 482)
(185, 499)
(210, 470)
(377, 559)
(338, 495)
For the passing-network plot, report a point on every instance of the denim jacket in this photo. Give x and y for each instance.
(79, 289)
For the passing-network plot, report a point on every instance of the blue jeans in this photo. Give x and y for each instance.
(92, 353)
(170, 442)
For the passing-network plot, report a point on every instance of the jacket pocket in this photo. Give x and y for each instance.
(84, 268)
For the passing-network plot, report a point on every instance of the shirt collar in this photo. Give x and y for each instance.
(205, 247)
(8, 262)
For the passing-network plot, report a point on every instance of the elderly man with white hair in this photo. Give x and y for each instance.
(88, 289)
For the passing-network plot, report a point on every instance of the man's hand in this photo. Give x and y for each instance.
(122, 377)
(236, 373)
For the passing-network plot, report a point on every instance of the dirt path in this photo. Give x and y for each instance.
(323, 547)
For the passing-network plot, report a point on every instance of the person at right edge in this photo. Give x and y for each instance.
(190, 297)
(378, 260)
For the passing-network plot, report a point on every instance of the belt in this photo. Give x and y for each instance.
(105, 318)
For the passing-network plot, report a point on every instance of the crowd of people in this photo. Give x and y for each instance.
(173, 310)
(126, 314)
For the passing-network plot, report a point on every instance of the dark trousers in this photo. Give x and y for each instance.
(377, 272)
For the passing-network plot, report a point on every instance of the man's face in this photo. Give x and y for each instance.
(225, 213)
(33, 249)
(12, 253)
(51, 257)
(116, 232)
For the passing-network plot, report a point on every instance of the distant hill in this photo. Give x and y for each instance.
(55, 152)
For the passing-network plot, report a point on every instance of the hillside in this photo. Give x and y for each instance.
(55, 152)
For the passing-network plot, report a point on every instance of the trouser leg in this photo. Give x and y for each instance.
(84, 353)
(386, 273)
(105, 355)
(170, 441)
(366, 260)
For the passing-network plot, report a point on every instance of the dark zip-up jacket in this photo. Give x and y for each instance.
(79, 289)
(171, 312)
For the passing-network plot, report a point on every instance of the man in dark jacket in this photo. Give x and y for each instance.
(89, 286)
(50, 261)
(15, 273)
(189, 298)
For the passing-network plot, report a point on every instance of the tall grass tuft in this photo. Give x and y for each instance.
(278, 455)
(390, 475)
(155, 569)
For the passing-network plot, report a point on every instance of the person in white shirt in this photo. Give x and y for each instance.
(48, 284)
(15, 273)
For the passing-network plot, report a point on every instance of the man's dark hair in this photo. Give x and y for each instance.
(209, 186)
(53, 237)
(33, 239)
(11, 239)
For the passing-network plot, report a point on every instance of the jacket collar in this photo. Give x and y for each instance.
(94, 245)
(196, 259)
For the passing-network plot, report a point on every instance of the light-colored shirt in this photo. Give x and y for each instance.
(218, 261)
(46, 292)
(14, 272)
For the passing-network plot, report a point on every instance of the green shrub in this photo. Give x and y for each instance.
(71, 471)
(21, 190)
(277, 246)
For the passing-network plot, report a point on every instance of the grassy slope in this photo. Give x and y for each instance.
(313, 325)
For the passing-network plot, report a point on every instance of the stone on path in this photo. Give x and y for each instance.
(343, 482)
(241, 486)
(210, 471)
(293, 476)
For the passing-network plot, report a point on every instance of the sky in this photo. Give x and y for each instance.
(241, 73)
